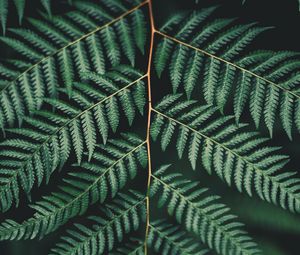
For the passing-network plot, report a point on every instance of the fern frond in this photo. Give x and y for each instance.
(94, 107)
(62, 49)
(111, 168)
(237, 156)
(123, 215)
(215, 59)
(220, 37)
(166, 238)
(200, 213)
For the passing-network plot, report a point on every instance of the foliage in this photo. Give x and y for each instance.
(84, 143)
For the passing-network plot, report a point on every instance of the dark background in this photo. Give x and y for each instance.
(275, 230)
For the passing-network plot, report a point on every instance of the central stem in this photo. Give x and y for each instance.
(152, 27)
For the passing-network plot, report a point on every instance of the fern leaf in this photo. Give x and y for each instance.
(166, 238)
(226, 70)
(113, 113)
(286, 113)
(62, 48)
(121, 216)
(190, 76)
(189, 25)
(110, 42)
(77, 139)
(22, 48)
(67, 66)
(200, 213)
(237, 156)
(20, 6)
(257, 102)
(242, 93)
(47, 6)
(86, 186)
(77, 119)
(126, 42)
(162, 55)
(272, 102)
(96, 53)
(81, 58)
(139, 31)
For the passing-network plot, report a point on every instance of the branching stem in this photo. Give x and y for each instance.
(152, 27)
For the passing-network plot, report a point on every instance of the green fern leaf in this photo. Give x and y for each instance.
(107, 230)
(138, 22)
(200, 213)
(77, 120)
(225, 70)
(84, 187)
(61, 48)
(226, 149)
(167, 238)
(75, 81)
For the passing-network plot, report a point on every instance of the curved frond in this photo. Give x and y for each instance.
(45, 143)
(238, 157)
(123, 215)
(201, 213)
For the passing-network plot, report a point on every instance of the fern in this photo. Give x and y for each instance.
(46, 143)
(169, 239)
(88, 113)
(201, 214)
(60, 48)
(92, 183)
(121, 216)
(238, 157)
(274, 77)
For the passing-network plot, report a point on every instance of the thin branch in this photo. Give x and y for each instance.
(149, 120)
